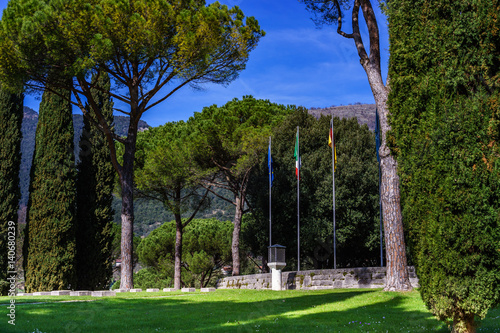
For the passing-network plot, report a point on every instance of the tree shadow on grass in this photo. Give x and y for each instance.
(237, 311)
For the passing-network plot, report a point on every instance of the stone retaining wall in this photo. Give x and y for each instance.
(364, 277)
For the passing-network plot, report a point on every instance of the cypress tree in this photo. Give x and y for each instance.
(95, 181)
(445, 80)
(11, 116)
(50, 236)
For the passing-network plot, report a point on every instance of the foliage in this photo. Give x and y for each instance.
(28, 129)
(445, 96)
(166, 171)
(233, 140)
(49, 244)
(144, 45)
(11, 115)
(236, 134)
(94, 219)
(356, 195)
(206, 248)
(165, 168)
(149, 278)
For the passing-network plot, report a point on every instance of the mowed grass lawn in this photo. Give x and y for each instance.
(359, 310)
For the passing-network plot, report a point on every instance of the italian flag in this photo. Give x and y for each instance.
(297, 156)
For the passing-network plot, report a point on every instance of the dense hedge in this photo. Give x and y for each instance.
(94, 186)
(445, 115)
(11, 115)
(49, 248)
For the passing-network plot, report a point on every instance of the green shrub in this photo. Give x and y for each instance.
(445, 115)
(148, 278)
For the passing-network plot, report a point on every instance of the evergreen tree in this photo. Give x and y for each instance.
(445, 93)
(95, 181)
(356, 195)
(11, 116)
(49, 248)
(232, 141)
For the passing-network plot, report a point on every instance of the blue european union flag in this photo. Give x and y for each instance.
(270, 165)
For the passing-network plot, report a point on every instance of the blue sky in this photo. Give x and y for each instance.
(295, 63)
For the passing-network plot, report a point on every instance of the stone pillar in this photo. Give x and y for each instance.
(276, 268)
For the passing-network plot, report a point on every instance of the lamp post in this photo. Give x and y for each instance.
(276, 263)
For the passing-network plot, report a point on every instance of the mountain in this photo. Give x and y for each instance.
(28, 129)
(364, 112)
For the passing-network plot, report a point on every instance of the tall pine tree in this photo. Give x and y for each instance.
(95, 183)
(11, 116)
(50, 236)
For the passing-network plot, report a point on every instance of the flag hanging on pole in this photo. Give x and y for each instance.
(297, 156)
(270, 165)
(331, 141)
(298, 163)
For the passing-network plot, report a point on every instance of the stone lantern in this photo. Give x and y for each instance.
(276, 262)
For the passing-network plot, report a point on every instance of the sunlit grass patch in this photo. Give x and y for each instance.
(339, 310)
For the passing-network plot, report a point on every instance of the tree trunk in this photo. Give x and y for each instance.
(178, 252)
(235, 246)
(127, 213)
(397, 271)
(464, 324)
(397, 278)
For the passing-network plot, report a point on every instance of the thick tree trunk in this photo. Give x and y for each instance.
(178, 253)
(397, 278)
(127, 213)
(397, 271)
(235, 246)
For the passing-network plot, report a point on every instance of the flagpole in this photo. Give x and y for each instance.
(298, 203)
(380, 205)
(334, 222)
(377, 147)
(270, 184)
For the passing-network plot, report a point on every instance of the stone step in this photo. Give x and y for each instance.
(81, 293)
(101, 293)
(136, 290)
(122, 290)
(188, 290)
(24, 294)
(42, 293)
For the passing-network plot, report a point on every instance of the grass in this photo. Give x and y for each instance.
(231, 311)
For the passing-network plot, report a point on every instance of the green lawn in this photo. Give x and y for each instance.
(231, 311)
